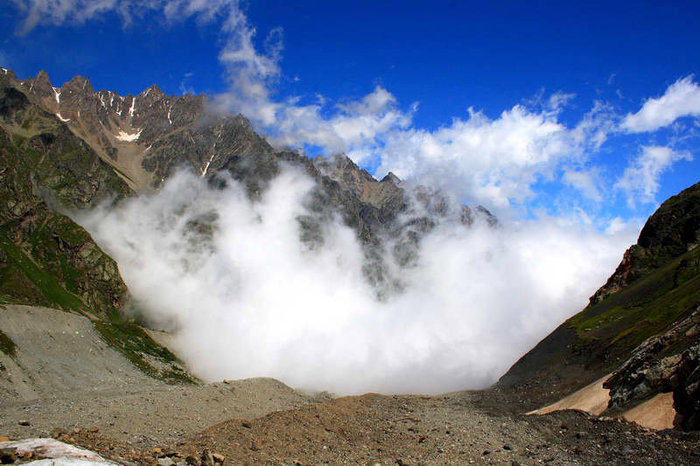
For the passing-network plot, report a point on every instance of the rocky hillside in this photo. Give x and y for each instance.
(46, 259)
(642, 324)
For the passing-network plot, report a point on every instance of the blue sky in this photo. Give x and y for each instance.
(551, 86)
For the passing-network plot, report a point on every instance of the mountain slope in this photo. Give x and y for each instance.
(656, 286)
(46, 259)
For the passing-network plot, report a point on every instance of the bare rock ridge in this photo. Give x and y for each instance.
(109, 123)
(146, 137)
(642, 325)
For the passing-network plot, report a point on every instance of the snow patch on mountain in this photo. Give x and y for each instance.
(133, 107)
(123, 136)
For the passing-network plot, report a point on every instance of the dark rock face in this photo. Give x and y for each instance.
(686, 393)
(13, 103)
(663, 363)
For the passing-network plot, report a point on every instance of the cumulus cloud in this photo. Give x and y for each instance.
(681, 99)
(487, 161)
(640, 180)
(247, 298)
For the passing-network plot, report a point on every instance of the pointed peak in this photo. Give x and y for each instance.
(153, 91)
(42, 77)
(80, 83)
(342, 161)
(40, 85)
(393, 179)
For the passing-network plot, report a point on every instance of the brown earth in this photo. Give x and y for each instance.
(402, 430)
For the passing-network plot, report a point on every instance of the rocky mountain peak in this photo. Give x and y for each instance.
(40, 85)
(78, 84)
(154, 91)
(391, 178)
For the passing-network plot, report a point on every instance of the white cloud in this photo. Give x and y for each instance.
(640, 180)
(682, 98)
(558, 100)
(586, 181)
(488, 161)
(595, 126)
(252, 300)
(496, 162)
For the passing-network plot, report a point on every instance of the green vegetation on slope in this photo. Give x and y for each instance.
(656, 285)
(643, 309)
(46, 259)
(137, 346)
(23, 291)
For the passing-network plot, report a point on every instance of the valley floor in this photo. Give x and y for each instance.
(370, 429)
(133, 419)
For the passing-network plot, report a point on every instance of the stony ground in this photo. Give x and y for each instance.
(146, 417)
(392, 430)
(133, 419)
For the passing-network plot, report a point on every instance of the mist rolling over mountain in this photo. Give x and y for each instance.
(287, 233)
(235, 278)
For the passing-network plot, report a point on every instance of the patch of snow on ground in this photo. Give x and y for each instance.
(122, 136)
(61, 118)
(55, 452)
(57, 95)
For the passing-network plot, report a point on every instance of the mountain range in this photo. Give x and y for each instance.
(70, 148)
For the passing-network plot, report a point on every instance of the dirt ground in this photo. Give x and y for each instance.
(408, 430)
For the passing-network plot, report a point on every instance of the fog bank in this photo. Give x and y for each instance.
(246, 297)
